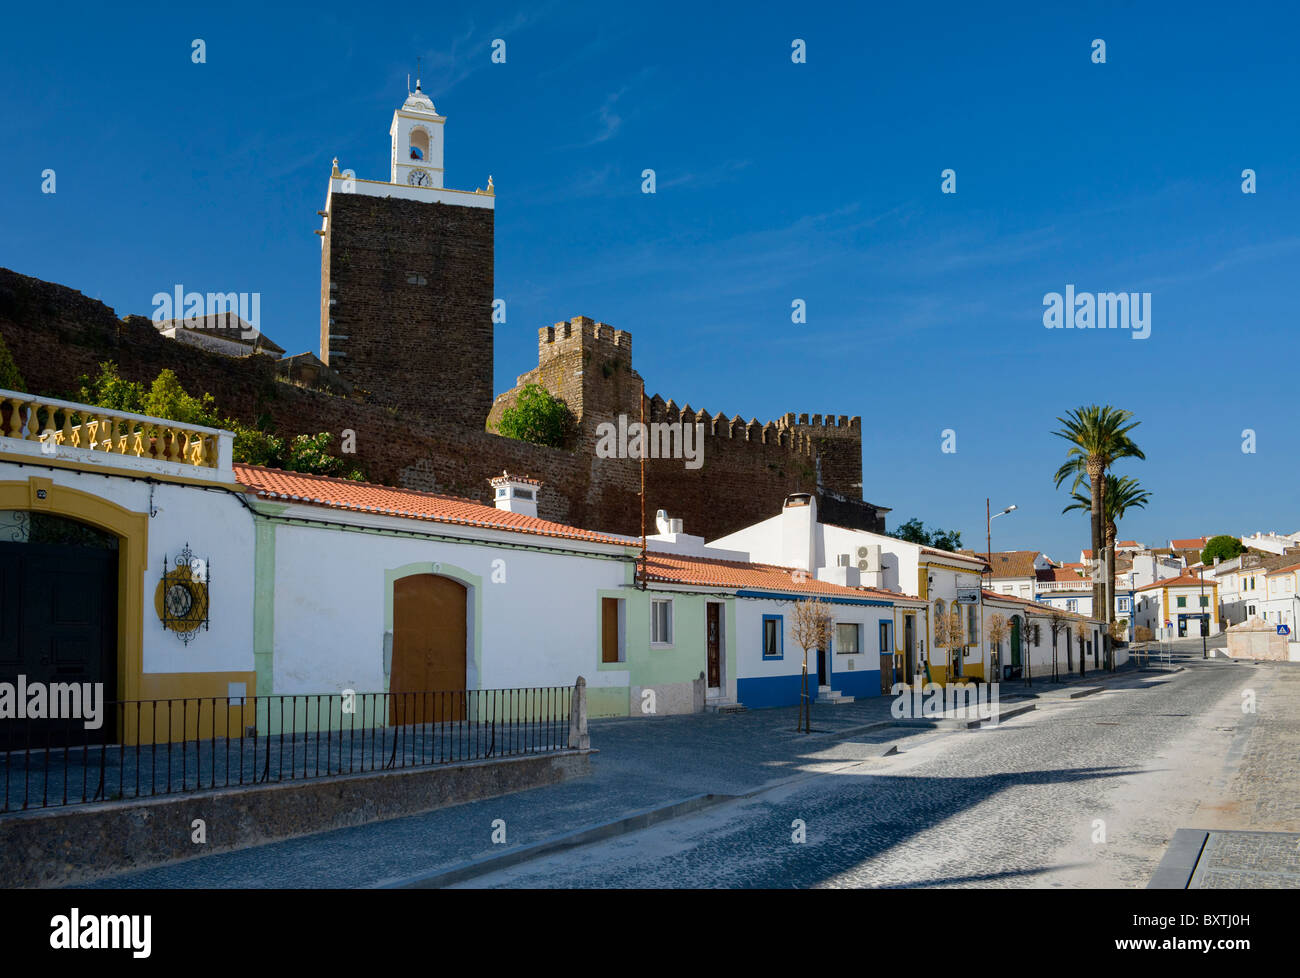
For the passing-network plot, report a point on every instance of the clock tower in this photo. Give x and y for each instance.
(406, 279)
(417, 142)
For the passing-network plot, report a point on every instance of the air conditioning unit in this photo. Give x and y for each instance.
(869, 558)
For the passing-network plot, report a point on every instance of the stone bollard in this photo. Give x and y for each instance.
(579, 739)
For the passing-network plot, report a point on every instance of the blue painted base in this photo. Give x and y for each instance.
(858, 684)
(773, 690)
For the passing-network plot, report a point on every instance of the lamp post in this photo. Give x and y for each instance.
(1205, 621)
(988, 553)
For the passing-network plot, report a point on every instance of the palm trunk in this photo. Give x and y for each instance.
(1112, 531)
(1097, 489)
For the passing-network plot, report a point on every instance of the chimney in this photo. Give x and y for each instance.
(799, 531)
(515, 494)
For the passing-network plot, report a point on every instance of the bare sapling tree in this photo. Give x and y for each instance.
(950, 634)
(812, 630)
(997, 630)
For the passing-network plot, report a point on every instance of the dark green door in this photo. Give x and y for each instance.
(58, 626)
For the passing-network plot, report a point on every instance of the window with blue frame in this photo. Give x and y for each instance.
(773, 637)
(886, 637)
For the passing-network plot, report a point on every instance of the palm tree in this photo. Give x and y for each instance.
(1098, 437)
(1122, 493)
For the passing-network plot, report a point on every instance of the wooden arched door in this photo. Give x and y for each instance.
(429, 641)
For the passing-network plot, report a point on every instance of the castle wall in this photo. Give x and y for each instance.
(57, 334)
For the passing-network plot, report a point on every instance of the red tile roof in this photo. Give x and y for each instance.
(1192, 543)
(672, 568)
(1283, 570)
(948, 553)
(1066, 573)
(366, 497)
(1009, 563)
(1046, 608)
(1182, 580)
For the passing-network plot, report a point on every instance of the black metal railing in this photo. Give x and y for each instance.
(145, 748)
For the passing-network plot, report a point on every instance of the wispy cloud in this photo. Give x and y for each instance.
(610, 120)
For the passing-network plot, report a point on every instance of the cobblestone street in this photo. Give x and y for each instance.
(1078, 792)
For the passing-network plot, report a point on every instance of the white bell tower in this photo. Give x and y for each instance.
(417, 142)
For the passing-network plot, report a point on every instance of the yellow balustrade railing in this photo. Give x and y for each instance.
(69, 425)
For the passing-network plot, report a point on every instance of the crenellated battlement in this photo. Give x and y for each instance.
(588, 365)
(795, 432)
(582, 334)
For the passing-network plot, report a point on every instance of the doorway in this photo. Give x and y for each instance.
(909, 648)
(427, 680)
(713, 646)
(58, 618)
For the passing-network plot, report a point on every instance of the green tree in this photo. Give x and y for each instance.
(537, 416)
(1098, 437)
(1224, 547)
(913, 531)
(168, 399)
(11, 379)
(107, 389)
(310, 453)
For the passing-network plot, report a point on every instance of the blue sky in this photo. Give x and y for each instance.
(776, 181)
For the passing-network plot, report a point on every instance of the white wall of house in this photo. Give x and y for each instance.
(538, 626)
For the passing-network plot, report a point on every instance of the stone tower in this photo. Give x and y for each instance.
(407, 278)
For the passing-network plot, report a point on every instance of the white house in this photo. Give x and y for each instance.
(1188, 603)
(1272, 542)
(1040, 637)
(938, 579)
(1281, 604)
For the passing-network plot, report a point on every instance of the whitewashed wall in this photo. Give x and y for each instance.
(539, 627)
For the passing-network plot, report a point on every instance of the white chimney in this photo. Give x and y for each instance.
(799, 531)
(515, 494)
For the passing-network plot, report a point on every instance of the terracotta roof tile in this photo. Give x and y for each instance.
(671, 568)
(366, 497)
(1068, 573)
(948, 553)
(1182, 580)
(1046, 608)
(1009, 563)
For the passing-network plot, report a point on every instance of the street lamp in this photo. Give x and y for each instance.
(988, 542)
(1205, 621)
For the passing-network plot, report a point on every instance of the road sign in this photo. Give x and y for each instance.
(968, 595)
(1169, 624)
(1284, 629)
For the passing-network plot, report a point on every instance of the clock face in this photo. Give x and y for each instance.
(179, 600)
(419, 178)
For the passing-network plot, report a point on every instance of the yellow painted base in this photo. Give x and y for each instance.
(193, 705)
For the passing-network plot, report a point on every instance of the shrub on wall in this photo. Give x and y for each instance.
(11, 379)
(537, 416)
(167, 398)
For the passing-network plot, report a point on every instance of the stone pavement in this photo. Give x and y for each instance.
(1248, 822)
(1249, 861)
(642, 763)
